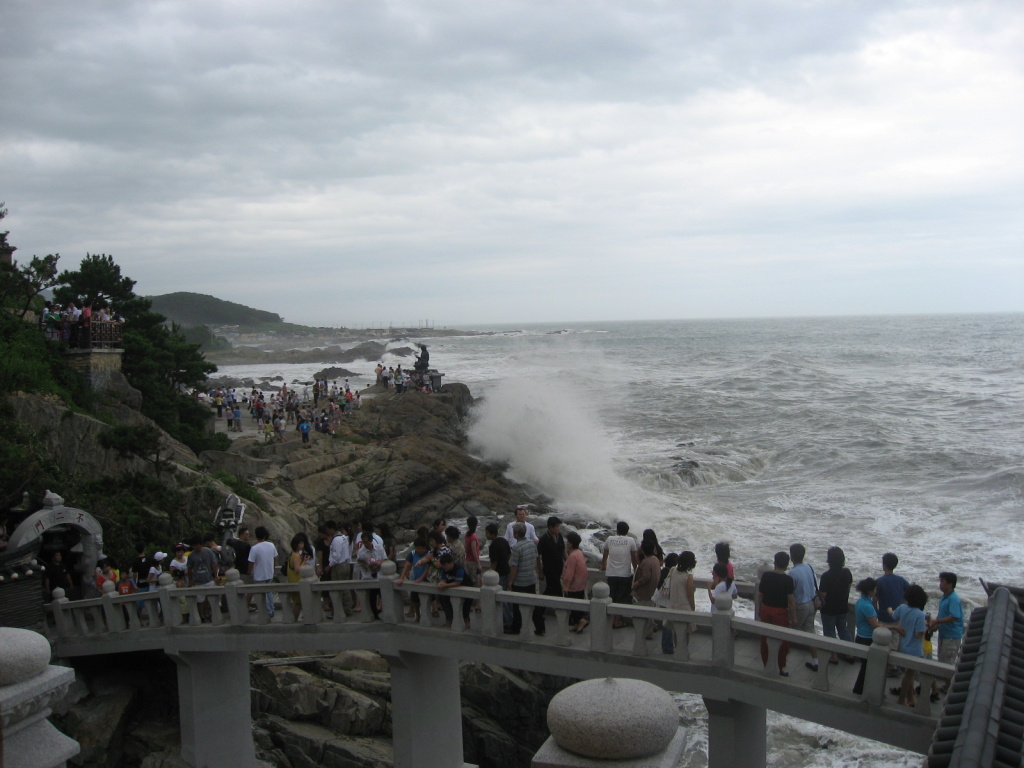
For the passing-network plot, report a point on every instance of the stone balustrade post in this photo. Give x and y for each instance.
(427, 703)
(238, 613)
(490, 608)
(28, 688)
(600, 622)
(737, 733)
(390, 599)
(112, 614)
(639, 637)
(61, 622)
(214, 709)
(723, 641)
(312, 607)
(169, 601)
(878, 665)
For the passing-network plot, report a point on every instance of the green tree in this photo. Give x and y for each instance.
(141, 441)
(20, 284)
(157, 361)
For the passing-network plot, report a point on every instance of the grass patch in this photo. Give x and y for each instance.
(242, 489)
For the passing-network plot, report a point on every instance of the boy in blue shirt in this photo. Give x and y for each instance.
(949, 621)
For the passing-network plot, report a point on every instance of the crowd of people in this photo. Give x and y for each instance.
(397, 380)
(638, 571)
(72, 323)
(274, 414)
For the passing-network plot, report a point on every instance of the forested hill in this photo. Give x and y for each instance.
(187, 308)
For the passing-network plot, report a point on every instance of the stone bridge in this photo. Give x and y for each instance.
(721, 662)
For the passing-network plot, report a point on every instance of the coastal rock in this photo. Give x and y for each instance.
(72, 439)
(98, 725)
(309, 745)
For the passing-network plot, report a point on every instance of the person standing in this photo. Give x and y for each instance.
(775, 604)
(681, 597)
(805, 585)
(551, 550)
(867, 623)
(911, 628)
(574, 580)
(531, 532)
(645, 582)
(889, 591)
(339, 563)
(262, 563)
(618, 561)
(524, 573)
(949, 621)
(499, 553)
(834, 589)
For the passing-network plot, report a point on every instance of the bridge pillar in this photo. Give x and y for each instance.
(214, 704)
(426, 704)
(737, 734)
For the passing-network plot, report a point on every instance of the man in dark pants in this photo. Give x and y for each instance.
(551, 550)
(524, 573)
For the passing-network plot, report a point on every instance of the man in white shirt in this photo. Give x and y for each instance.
(262, 562)
(531, 532)
(339, 563)
(618, 562)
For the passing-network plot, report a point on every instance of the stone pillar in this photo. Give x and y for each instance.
(95, 365)
(878, 666)
(214, 708)
(426, 711)
(612, 721)
(737, 734)
(28, 685)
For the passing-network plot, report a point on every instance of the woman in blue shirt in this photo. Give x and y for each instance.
(867, 622)
(910, 617)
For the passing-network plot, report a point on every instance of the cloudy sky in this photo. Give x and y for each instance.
(350, 163)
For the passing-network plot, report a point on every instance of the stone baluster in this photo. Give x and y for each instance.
(61, 620)
(169, 601)
(426, 609)
(112, 614)
(923, 705)
(337, 603)
(771, 669)
(600, 621)
(490, 608)
(821, 681)
(723, 640)
(214, 601)
(639, 638)
(563, 635)
(682, 646)
(312, 607)
(194, 617)
(238, 611)
(878, 665)
(367, 596)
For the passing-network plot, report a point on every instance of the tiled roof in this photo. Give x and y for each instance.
(982, 723)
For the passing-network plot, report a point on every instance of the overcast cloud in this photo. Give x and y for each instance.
(349, 163)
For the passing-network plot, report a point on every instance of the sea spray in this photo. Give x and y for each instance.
(549, 438)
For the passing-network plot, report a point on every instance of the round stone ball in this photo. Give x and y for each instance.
(613, 718)
(25, 655)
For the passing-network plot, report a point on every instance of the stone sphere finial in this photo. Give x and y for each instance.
(600, 590)
(109, 587)
(307, 571)
(25, 655)
(613, 718)
(233, 575)
(491, 579)
(388, 568)
(58, 594)
(723, 602)
(165, 579)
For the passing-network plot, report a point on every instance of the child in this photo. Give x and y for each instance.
(417, 569)
(911, 629)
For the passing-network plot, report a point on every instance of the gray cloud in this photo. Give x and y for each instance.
(524, 160)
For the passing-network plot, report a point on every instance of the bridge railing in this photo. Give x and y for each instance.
(329, 603)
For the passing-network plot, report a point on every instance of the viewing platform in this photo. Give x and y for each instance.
(721, 662)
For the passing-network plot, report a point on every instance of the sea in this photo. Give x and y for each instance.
(877, 434)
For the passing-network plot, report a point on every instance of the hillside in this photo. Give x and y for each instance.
(187, 308)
